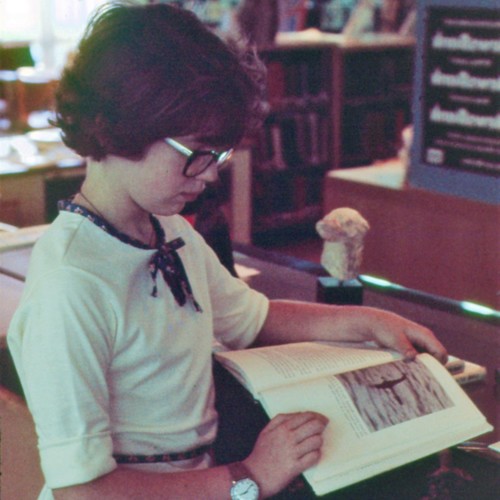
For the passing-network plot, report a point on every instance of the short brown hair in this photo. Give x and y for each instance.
(145, 72)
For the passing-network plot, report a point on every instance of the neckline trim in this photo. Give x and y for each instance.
(69, 206)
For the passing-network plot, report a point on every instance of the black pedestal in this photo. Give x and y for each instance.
(333, 291)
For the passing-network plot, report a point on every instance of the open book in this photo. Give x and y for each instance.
(384, 411)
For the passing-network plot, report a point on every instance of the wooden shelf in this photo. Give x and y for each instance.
(334, 102)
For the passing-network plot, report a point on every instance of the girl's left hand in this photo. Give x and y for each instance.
(402, 335)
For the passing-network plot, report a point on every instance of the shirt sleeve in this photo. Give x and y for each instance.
(61, 342)
(244, 311)
(238, 311)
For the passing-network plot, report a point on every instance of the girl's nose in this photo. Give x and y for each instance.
(211, 174)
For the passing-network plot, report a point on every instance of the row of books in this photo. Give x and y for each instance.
(295, 78)
(302, 139)
(294, 140)
(306, 76)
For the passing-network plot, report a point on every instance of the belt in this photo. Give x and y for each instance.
(162, 457)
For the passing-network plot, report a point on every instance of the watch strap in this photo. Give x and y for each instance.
(239, 471)
(244, 485)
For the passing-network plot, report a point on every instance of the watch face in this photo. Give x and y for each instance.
(245, 489)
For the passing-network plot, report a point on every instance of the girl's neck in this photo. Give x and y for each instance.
(134, 223)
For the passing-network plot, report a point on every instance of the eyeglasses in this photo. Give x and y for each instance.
(199, 160)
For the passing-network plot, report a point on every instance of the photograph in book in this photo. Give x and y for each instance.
(393, 393)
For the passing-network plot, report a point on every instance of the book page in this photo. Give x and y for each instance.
(380, 417)
(264, 367)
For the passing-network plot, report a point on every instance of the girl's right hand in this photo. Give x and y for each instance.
(287, 446)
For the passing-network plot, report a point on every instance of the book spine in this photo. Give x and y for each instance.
(278, 160)
(276, 88)
(313, 119)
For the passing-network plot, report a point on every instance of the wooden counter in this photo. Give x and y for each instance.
(32, 176)
(437, 243)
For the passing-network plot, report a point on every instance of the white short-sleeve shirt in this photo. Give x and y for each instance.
(108, 368)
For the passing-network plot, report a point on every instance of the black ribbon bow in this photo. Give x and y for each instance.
(167, 260)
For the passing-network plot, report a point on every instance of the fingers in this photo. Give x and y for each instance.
(401, 344)
(277, 421)
(422, 339)
(300, 424)
(407, 337)
(304, 432)
(307, 420)
(288, 445)
(295, 420)
(307, 431)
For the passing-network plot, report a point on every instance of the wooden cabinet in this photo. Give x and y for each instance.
(334, 102)
(437, 243)
(30, 187)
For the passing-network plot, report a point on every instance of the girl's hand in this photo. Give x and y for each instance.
(409, 338)
(288, 445)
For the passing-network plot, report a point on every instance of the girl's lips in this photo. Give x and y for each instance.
(191, 196)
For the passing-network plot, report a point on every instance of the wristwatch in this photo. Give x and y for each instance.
(244, 486)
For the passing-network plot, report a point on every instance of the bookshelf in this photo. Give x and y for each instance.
(334, 102)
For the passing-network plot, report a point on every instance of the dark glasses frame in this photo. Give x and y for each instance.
(193, 154)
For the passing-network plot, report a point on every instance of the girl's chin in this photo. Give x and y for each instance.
(172, 209)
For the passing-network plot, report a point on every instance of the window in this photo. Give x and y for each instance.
(52, 27)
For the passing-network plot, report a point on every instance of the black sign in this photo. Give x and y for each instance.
(461, 71)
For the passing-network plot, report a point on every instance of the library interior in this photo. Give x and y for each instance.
(373, 179)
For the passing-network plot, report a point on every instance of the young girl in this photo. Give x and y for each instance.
(113, 336)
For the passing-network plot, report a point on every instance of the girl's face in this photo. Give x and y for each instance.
(156, 183)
